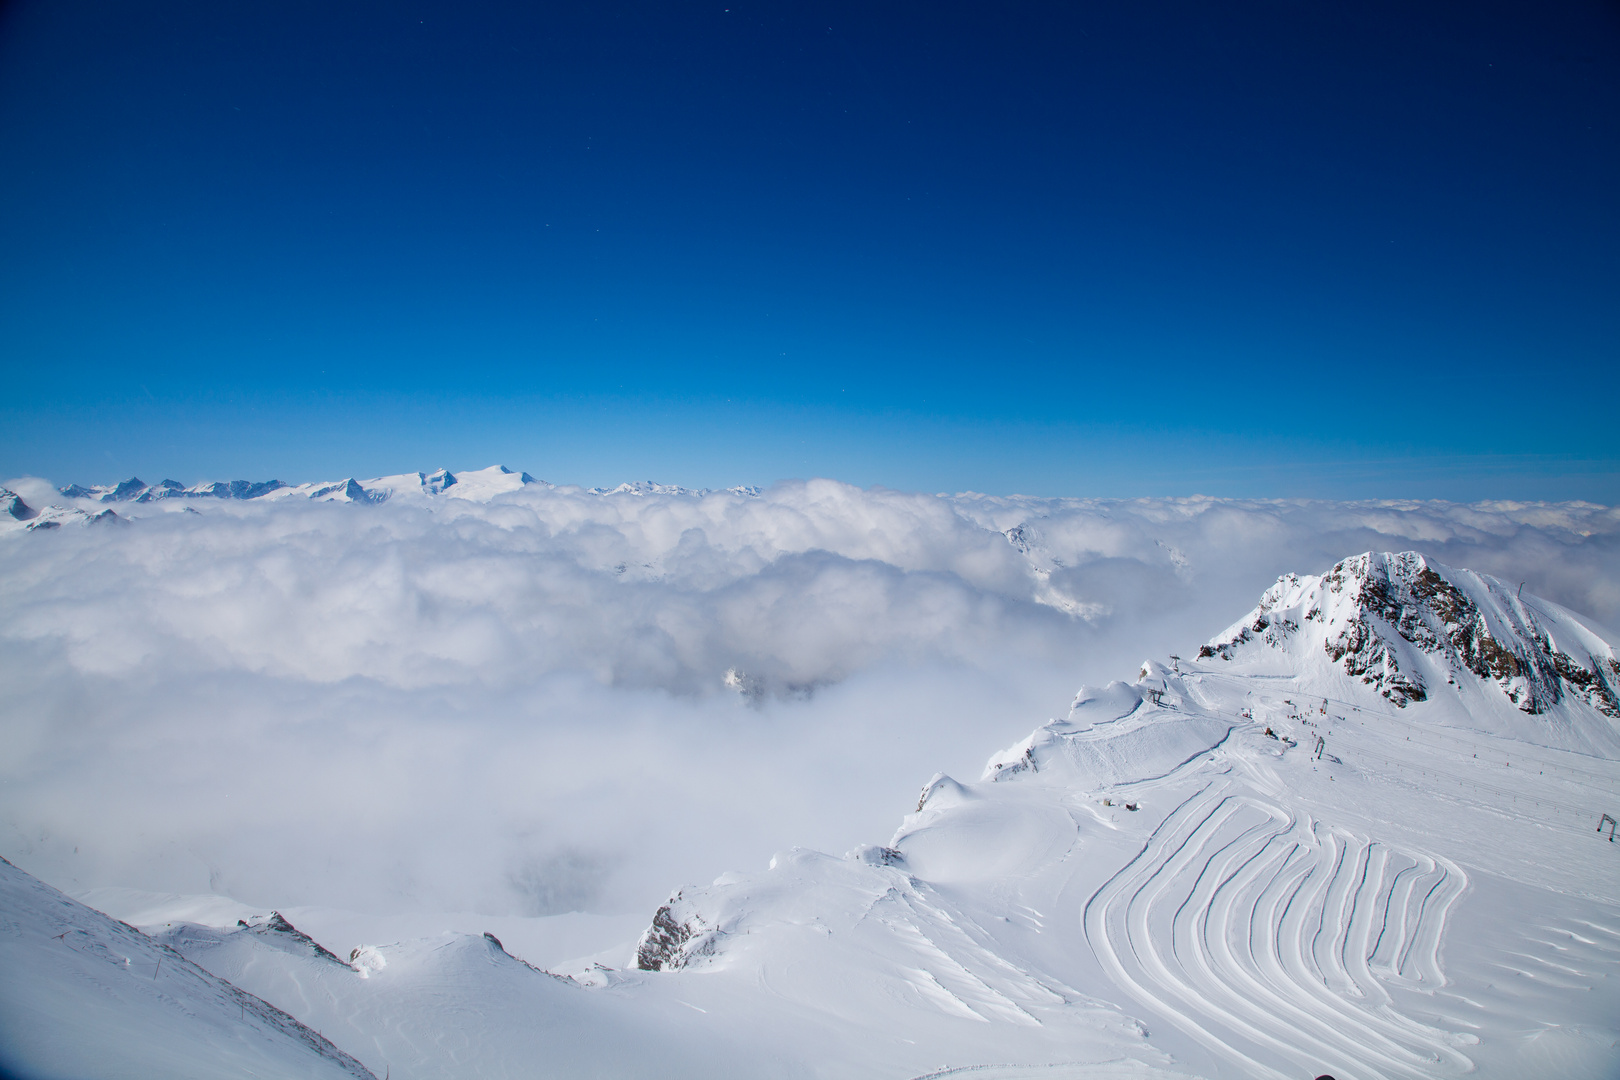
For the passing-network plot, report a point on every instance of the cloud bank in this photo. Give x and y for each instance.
(559, 700)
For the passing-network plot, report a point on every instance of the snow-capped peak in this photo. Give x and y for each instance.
(12, 506)
(17, 516)
(1401, 623)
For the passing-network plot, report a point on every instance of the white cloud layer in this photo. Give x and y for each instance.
(521, 705)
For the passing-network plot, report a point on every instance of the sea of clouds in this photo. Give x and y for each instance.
(559, 700)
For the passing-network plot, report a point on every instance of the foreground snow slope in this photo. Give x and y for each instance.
(455, 1005)
(84, 996)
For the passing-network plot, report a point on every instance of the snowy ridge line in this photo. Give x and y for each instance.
(1423, 733)
(478, 484)
(1253, 931)
(84, 994)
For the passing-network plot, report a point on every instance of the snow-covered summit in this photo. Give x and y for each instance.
(1404, 625)
(17, 516)
(12, 506)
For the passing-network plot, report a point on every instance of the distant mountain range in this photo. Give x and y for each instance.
(480, 484)
(476, 485)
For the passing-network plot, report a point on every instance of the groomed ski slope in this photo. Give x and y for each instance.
(1290, 914)
(1258, 931)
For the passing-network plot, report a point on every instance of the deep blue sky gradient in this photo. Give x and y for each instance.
(1147, 248)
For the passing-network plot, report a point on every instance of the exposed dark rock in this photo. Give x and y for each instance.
(276, 924)
(676, 937)
(1395, 599)
(11, 503)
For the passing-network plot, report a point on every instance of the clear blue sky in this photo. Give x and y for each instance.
(1145, 248)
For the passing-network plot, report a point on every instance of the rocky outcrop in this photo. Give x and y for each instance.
(1375, 614)
(678, 936)
(12, 505)
(286, 935)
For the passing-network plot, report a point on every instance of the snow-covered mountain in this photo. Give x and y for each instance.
(1410, 629)
(1354, 836)
(1283, 859)
(84, 996)
(478, 484)
(473, 485)
(79, 502)
(12, 506)
(17, 515)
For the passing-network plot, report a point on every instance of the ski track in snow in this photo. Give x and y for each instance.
(1262, 934)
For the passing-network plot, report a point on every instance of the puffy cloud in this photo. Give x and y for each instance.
(521, 705)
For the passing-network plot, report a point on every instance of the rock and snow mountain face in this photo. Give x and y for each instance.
(1284, 859)
(1409, 628)
(17, 515)
(12, 506)
(1277, 860)
(82, 995)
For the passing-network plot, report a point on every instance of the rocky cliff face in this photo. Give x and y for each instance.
(679, 934)
(1397, 621)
